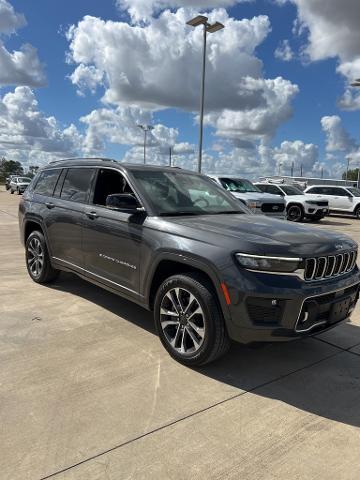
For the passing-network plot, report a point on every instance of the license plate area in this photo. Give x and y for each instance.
(340, 310)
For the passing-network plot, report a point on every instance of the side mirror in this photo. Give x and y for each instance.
(124, 202)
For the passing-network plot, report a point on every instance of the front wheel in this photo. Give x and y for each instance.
(357, 212)
(37, 259)
(189, 321)
(295, 213)
(11, 191)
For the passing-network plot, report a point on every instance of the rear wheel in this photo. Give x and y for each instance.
(357, 211)
(11, 191)
(295, 213)
(189, 321)
(37, 259)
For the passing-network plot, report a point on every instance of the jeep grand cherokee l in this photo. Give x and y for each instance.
(176, 243)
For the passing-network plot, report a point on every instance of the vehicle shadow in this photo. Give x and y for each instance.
(333, 223)
(309, 374)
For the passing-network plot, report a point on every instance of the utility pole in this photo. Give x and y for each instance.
(347, 171)
(292, 169)
(301, 170)
(170, 159)
(145, 129)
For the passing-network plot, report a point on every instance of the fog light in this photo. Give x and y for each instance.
(304, 316)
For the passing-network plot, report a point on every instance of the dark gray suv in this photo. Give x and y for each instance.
(176, 243)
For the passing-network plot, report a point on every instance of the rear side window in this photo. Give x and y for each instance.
(47, 181)
(77, 184)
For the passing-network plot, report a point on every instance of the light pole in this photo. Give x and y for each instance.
(347, 171)
(207, 28)
(145, 128)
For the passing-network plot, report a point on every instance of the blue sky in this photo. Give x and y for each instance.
(315, 73)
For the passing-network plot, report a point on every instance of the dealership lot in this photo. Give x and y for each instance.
(88, 392)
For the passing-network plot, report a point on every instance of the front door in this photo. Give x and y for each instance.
(111, 239)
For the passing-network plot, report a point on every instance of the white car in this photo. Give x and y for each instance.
(298, 205)
(341, 199)
(19, 184)
(251, 196)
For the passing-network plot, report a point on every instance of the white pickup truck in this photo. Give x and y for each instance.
(251, 196)
(298, 204)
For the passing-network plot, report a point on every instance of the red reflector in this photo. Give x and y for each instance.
(226, 293)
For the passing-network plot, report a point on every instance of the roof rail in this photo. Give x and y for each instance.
(82, 158)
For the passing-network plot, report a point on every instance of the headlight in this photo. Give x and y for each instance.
(252, 204)
(268, 264)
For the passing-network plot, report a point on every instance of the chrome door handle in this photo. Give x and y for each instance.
(50, 205)
(92, 215)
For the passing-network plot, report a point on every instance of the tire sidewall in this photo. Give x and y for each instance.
(301, 215)
(40, 237)
(189, 284)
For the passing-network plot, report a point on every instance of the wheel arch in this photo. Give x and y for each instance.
(172, 264)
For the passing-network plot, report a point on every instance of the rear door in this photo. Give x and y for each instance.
(112, 239)
(66, 210)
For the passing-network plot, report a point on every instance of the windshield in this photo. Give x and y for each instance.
(23, 180)
(179, 193)
(354, 191)
(291, 190)
(238, 185)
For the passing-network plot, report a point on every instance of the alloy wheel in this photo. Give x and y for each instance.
(294, 213)
(182, 321)
(35, 257)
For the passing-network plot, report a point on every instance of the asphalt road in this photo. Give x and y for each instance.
(87, 392)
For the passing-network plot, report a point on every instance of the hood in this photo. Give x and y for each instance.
(258, 234)
(258, 197)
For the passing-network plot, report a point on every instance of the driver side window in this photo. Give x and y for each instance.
(109, 182)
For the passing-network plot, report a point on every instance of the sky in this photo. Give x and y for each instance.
(76, 78)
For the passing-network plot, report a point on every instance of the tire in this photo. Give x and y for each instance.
(190, 291)
(37, 259)
(11, 191)
(357, 211)
(17, 191)
(295, 213)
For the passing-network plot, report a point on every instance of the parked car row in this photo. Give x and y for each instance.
(180, 245)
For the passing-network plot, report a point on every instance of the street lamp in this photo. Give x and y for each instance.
(207, 28)
(145, 128)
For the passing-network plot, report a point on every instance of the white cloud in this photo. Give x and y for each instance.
(10, 20)
(275, 98)
(21, 67)
(27, 134)
(120, 126)
(350, 100)
(333, 32)
(142, 10)
(337, 139)
(284, 51)
(163, 68)
(297, 154)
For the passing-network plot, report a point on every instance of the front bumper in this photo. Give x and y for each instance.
(280, 308)
(315, 211)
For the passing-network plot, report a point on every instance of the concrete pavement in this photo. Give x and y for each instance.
(87, 391)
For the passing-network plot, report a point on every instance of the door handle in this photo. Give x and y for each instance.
(50, 205)
(92, 215)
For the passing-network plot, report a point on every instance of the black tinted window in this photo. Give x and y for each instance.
(317, 190)
(339, 192)
(77, 184)
(59, 184)
(47, 181)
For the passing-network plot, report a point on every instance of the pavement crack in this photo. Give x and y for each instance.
(191, 415)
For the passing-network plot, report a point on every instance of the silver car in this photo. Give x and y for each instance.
(252, 196)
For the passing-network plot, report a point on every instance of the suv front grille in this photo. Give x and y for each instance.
(330, 266)
(272, 207)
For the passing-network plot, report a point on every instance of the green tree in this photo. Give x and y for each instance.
(352, 175)
(9, 167)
